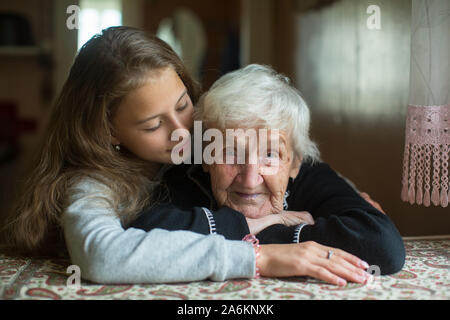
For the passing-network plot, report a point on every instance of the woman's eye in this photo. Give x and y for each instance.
(272, 155)
(271, 158)
(230, 152)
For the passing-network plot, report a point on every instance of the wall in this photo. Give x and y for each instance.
(356, 82)
(268, 34)
(26, 81)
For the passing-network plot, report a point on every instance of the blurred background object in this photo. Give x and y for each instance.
(354, 78)
(184, 31)
(427, 134)
(97, 15)
(15, 30)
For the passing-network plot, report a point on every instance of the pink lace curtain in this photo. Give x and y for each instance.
(427, 135)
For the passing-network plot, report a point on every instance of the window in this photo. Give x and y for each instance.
(96, 15)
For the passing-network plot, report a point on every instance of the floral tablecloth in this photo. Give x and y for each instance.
(426, 275)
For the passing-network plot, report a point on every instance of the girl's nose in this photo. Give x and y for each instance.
(176, 123)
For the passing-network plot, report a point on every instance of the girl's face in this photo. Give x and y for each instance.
(148, 115)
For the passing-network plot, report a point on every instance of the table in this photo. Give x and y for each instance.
(425, 276)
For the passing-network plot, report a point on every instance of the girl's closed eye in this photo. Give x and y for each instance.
(153, 128)
(183, 107)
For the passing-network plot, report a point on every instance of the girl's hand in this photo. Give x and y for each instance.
(375, 204)
(310, 259)
(288, 218)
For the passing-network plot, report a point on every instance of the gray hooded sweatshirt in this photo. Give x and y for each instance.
(107, 253)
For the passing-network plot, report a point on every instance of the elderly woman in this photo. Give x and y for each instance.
(235, 198)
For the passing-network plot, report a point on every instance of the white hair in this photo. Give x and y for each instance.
(258, 96)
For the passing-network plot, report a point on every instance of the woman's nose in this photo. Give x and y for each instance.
(249, 176)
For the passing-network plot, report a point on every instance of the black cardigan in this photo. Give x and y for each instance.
(343, 219)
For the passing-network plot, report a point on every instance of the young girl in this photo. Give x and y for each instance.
(104, 151)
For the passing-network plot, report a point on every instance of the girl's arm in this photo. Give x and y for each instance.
(185, 204)
(224, 221)
(107, 253)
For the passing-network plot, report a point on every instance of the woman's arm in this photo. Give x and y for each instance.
(311, 259)
(343, 219)
(107, 253)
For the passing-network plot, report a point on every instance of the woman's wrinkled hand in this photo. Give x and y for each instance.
(288, 218)
(293, 218)
(310, 259)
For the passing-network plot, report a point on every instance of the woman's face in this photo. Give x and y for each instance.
(148, 115)
(251, 188)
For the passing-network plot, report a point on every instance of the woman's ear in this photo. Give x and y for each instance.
(295, 166)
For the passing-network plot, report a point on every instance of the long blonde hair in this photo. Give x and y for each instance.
(77, 141)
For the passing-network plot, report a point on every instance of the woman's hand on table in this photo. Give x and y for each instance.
(310, 259)
(288, 218)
